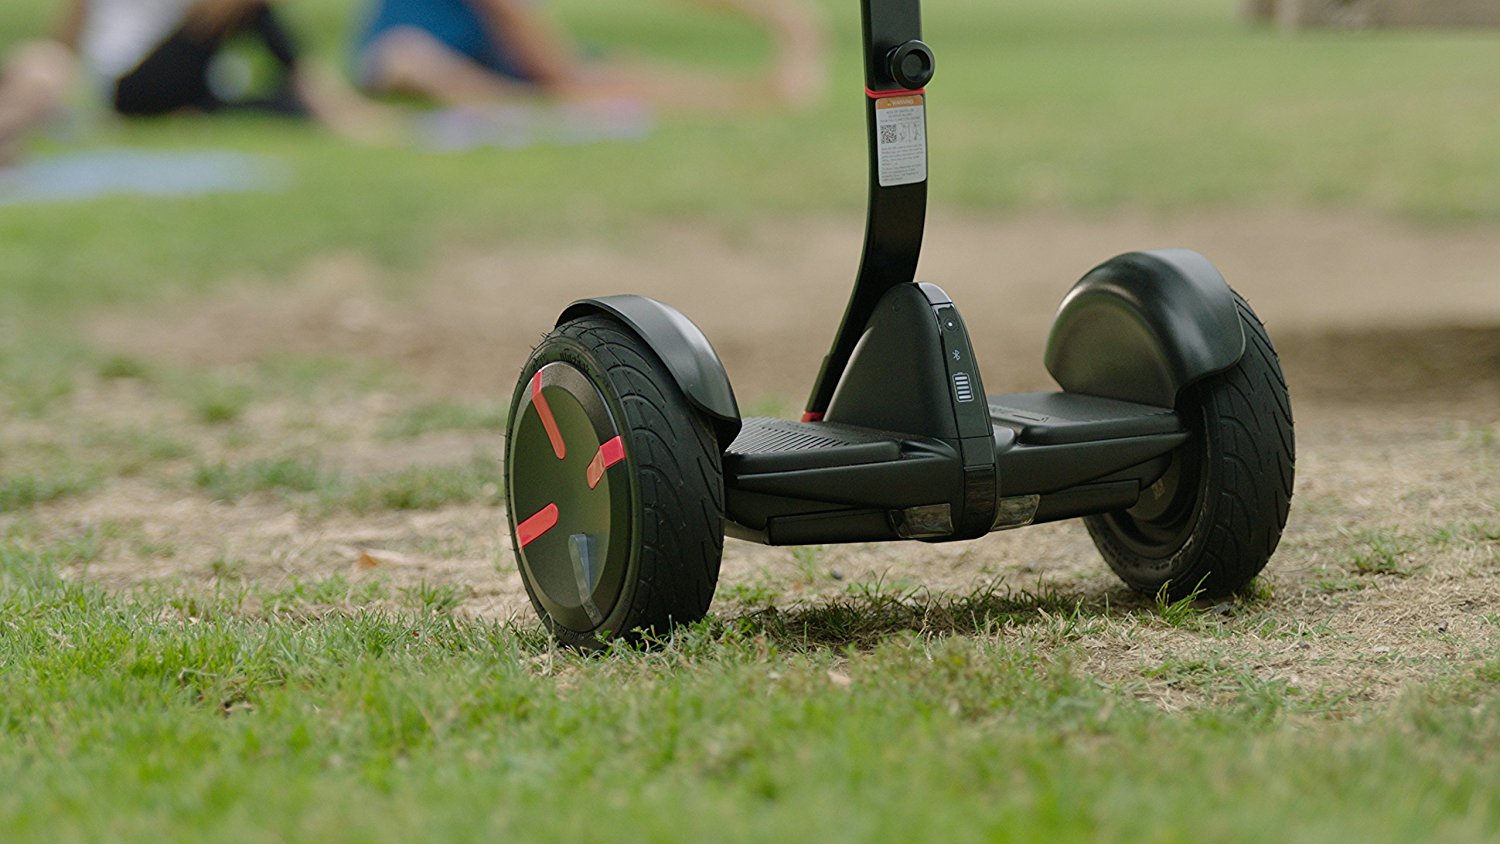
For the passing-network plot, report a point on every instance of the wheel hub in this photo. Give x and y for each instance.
(1162, 520)
(572, 517)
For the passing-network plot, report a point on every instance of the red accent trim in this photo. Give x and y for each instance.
(610, 453)
(812, 416)
(559, 448)
(899, 92)
(542, 521)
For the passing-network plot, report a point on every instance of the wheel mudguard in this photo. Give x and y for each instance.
(1144, 325)
(684, 349)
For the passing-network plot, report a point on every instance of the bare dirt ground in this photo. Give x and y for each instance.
(1390, 336)
(1343, 292)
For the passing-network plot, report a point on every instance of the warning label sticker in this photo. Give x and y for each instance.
(901, 140)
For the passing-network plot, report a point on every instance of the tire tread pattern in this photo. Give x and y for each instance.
(1251, 466)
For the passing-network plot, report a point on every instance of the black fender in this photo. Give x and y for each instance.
(682, 346)
(1142, 326)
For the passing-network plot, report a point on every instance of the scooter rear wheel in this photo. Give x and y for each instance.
(614, 488)
(1210, 523)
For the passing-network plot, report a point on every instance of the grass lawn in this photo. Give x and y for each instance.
(245, 707)
(238, 717)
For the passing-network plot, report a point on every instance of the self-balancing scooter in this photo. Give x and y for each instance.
(627, 459)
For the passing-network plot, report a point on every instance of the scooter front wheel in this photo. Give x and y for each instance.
(614, 488)
(1211, 522)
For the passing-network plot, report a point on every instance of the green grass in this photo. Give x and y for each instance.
(445, 415)
(305, 480)
(1178, 613)
(424, 488)
(1380, 552)
(36, 373)
(18, 492)
(153, 719)
(221, 403)
(280, 474)
(132, 450)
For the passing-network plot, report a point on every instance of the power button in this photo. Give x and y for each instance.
(948, 319)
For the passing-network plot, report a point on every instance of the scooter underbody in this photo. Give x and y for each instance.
(911, 448)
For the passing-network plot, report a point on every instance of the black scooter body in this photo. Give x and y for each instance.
(911, 448)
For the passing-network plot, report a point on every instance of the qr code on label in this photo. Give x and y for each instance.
(889, 135)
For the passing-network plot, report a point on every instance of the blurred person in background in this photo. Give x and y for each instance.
(155, 57)
(34, 82)
(476, 52)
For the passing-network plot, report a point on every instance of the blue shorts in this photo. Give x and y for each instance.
(455, 23)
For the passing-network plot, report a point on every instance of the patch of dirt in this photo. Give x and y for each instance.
(1394, 364)
(1390, 336)
(1350, 302)
(173, 539)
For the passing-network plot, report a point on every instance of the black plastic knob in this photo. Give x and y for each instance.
(911, 65)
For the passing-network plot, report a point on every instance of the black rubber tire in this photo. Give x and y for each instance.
(676, 478)
(1230, 486)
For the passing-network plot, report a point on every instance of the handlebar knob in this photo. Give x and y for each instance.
(911, 64)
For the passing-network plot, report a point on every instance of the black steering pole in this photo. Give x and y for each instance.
(898, 67)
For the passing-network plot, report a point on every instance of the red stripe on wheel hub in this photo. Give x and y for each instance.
(544, 520)
(545, 414)
(610, 452)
